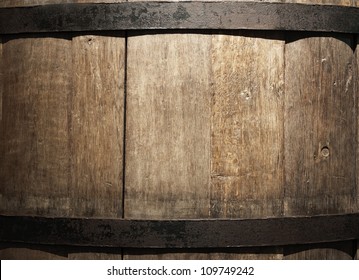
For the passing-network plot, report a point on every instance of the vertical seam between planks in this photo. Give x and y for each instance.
(124, 131)
(124, 126)
(356, 92)
(211, 98)
(284, 186)
(356, 89)
(70, 144)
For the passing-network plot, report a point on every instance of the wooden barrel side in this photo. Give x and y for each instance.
(316, 102)
(214, 129)
(62, 126)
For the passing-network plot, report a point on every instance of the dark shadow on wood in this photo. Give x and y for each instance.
(292, 36)
(343, 250)
(63, 35)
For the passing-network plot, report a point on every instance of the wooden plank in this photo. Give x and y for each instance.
(62, 127)
(320, 174)
(96, 109)
(167, 126)
(34, 166)
(34, 172)
(320, 120)
(328, 183)
(168, 139)
(247, 126)
(97, 119)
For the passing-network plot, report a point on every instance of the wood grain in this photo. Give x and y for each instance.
(247, 126)
(320, 103)
(191, 139)
(34, 166)
(97, 125)
(247, 129)
(319, 91)
(167, 126)
(167, 130)
(62, 128)
(34, 171)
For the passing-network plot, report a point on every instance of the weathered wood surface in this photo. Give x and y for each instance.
(62, 126)
(193, 144)
(202, 111)
(34, 171)
(167, 126)
(247, 126)
(97, 116)
(320, 120)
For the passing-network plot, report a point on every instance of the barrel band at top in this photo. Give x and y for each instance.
(196, 15)
(212, 233)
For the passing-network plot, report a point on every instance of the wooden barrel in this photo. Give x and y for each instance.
(186, 124)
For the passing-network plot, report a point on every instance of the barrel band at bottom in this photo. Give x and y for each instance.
(201, 233)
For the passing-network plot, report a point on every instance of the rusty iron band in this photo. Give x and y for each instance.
(179, 15)
(212, 233)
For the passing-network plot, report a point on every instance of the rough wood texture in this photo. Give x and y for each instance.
(97, 126)
(202, 112)
(62, 149)
(247, 126)
(34, 171)
(167, 130)
(167, 126)
(169, 142)
(62, 127)
(320, 119)
(320, 103)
